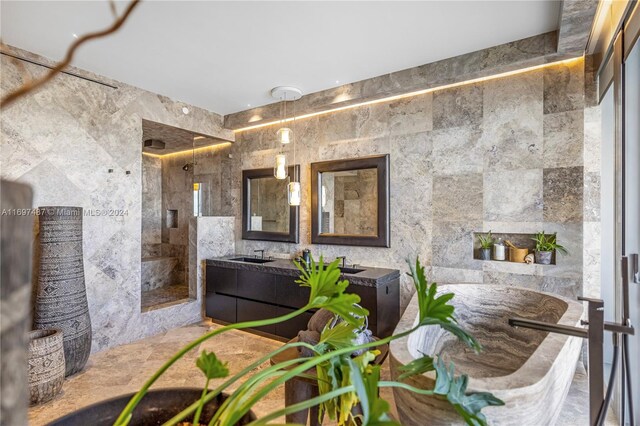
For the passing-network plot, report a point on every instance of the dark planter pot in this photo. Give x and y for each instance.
(485, 253)
(16, 236)
(155, 408)
(46, 365)
(61, 296)
(543, 257)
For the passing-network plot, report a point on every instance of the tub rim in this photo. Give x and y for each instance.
(531, 372)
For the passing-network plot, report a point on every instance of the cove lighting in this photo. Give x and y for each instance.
(188, 151)
(406, 95)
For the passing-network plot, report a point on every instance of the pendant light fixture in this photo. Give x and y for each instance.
(294, 195)
(294, 184)
(284, 134)
(280, 170)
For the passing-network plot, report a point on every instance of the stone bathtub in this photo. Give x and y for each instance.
(530, 370)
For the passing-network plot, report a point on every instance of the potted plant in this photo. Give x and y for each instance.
(486, 243)
(546, 244)
(344, 381)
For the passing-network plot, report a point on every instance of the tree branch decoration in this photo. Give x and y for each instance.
(29, 86)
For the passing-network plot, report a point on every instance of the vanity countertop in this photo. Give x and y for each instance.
(370, 276)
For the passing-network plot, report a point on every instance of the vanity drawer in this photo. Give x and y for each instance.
(220, 307)
(221, 280)
(289, 329)
(388, 305)
(257, 286)
(249, 310)
(290, 293)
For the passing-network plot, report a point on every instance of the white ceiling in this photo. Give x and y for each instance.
(225, 56)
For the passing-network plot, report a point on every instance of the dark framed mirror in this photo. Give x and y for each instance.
(350, 202)
(266, 213)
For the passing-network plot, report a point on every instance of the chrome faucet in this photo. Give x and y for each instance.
(344, 260)
(261, 253)
(594, 334)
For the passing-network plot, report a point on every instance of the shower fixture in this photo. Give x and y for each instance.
(154, 144)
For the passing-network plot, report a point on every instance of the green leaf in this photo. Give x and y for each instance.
(340, 336)
(457, 331)
(436, 310)
(375, 410)
(486, 241)
(454, 388)
(430, 305)
(417, 366)
(211, 366)
(337, 372)
(443, 379)
(548, 242)
(328, 291)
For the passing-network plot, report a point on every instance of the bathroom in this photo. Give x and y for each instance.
(512, 137)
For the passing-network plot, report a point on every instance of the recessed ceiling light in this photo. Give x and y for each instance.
(185, 110)
(248, 105)
(75, 35)
(337, 81)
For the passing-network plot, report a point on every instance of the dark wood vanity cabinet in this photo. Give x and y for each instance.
(238, 295)
(221, 293)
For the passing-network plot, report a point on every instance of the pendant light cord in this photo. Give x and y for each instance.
(296, 178)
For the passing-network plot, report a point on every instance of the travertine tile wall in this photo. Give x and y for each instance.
(151, 205)
(503, 155)
(506, 154)
(62, 140)
(592, 177)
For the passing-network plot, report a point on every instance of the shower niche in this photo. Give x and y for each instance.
(174, 192)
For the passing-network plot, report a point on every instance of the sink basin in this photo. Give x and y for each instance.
(251, 260)
(346, 270)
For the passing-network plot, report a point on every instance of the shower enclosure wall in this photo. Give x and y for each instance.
(167, 207)
(181, 180)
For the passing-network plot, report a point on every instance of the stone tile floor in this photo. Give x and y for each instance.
(125, 368)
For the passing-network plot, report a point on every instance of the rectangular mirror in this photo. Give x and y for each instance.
(266, 214)
(350, 202)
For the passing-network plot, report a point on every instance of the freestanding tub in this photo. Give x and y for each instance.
(530, 370)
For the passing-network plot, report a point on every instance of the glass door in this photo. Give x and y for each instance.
(631, 210)
(608, 256)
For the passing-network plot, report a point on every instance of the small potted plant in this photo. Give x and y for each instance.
(546, 244)
(486, 242)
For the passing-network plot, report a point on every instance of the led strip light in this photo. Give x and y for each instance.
(411, 94)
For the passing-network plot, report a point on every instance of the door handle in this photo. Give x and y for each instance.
(635, 268)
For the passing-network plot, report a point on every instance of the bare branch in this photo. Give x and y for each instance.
(32, 85)
(112, 6)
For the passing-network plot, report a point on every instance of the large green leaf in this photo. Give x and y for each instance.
(430, 305)
(436, 310)
(456, 330)
(375, 410)
(417, 366)
(338, 372)
(340, 336)
(469, 406)
(328, 291)
(211, 366)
